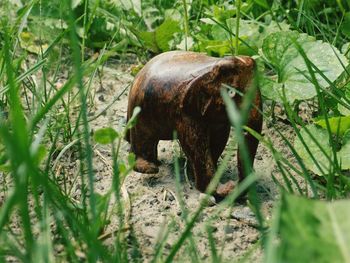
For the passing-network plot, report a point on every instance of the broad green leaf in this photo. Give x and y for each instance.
(338, 125)
(149, 41)
(344, 155)
(346, 25)
(321, 136)
(173, 14)
(186, 40)
(311, 231)
(137, 7)
(75, 3)
(342, 109)
(222, 13)
(346, 137)
(262, 3)
(131, 5)
(216, 47)
(252, 32)
(151, 16)
(158, 41)
(269, 88)
(105, 135)
(280, 50)
(345, 49)
(165, 33)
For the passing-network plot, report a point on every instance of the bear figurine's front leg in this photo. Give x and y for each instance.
(144, 145)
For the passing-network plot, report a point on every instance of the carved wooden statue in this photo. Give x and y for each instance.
(180, 91)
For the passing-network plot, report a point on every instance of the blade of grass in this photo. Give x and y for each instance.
(238, 16)
(20, 157)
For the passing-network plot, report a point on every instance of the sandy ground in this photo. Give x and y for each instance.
(154, 203)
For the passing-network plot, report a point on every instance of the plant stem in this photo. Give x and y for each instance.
(238, 15)
(85, 30)
(186, 22)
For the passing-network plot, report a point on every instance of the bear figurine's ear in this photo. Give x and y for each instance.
(198, 92)
(195, 98)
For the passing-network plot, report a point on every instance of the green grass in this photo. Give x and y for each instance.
(37, 116)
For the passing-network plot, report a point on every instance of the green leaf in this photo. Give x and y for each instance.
(5, 168)
(216, 47)
(262, 3)
(158, 41)
(122, 168)
(131, 5)
(148, 38)
(252, 32)
(345, 49)
(344, 155)
(292, 73)
(311, 231)
(338, 125)
(131, 159)
(269, 87)
(345, 27)
(346, 137)
(165, 33)
(105, 135)
(132, 121)
(342, 109)
(40, 154)
(322, 137)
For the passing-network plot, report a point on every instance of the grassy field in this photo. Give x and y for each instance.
(67, 189)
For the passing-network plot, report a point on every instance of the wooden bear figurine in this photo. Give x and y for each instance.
(180, 91)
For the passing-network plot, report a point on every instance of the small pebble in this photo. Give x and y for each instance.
(244, 214)
(169, 197)
(229, 229)
(210, 199)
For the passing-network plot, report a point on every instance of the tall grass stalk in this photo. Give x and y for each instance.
(186, 22)
(238, 16)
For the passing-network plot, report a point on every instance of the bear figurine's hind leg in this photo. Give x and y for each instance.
(218, 140)
(255, 122)
(219, 135)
